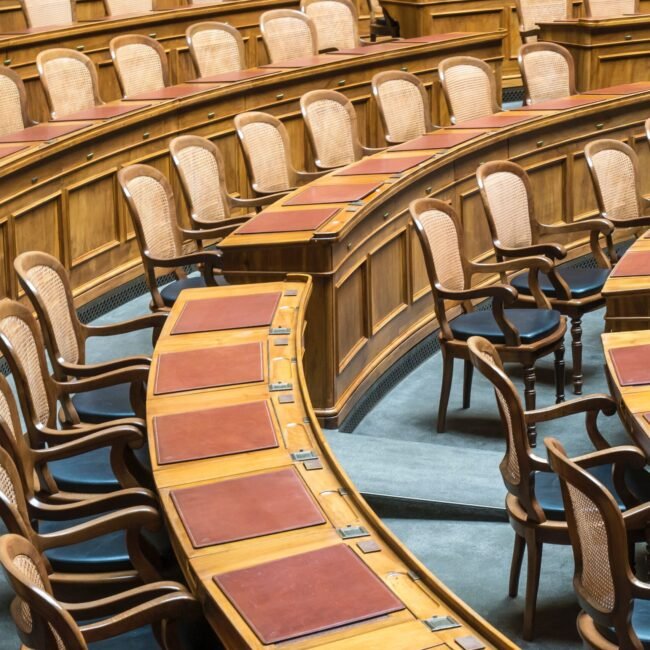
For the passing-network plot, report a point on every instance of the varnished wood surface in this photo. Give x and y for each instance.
(341, 505)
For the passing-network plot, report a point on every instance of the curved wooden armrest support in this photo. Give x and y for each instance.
(306, 177)
(597, 224)
(121, 376)
(369, 151)
(597, 402)
(256, 202)
(209, 258)
(81, 431)
(626, 456)
(141, 322)
(629, 223)
(640, 589)
(638, 517)
(215, 232)
(531, 31)
(272, 196)
(93, 369)
(539, 464)
(517, 264)
(554, 251)
(501, 292)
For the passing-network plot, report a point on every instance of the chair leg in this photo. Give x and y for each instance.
(530, 400)
(576, 350)
(445, 391)
(559, 375)
(534, 551)
(515, 567)
(467, 384)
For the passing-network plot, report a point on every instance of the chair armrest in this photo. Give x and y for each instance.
(627, 455)
(517, 264)
(256, 202)
(531, 31)
(93, 369)
(602, 403)
(503, 292)
(311, 176)
(211, 258)
(597, 224)
(128, 375)
(216, 232)
(368, 151)
(637, 518)
(141, 322)
(554, 251)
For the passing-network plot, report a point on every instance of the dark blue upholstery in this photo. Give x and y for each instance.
(533, 324)
(140, 639)
(170, 292)
(105, 404)
(582, 282)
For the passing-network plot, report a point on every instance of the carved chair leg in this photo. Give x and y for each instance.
(445, 391)
(515, 567)
(559, 375)
(534, 551)
(576, 350)
(530, 399)
(467, 384)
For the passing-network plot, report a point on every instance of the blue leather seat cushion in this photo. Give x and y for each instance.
(533, 324)
(582, 282)
(105, 404)
(170, 292)
(140, 639)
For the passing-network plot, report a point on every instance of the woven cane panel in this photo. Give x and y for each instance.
(11, 117)
(268, 158)
(469, 91)
(119, 7)
(7, 486)
(49, 284)
(541, 11)
(6, 414)
(202, 177)
(43, 13)
(510, 211)
(70, 85)
(401, 103)
(140, 68)
(332, 132)
(616, 178)
(22, 341)
(287, 38)
(334, 24)
(217, 51)
(547, 74)
(443, 241)
(610, 8)
(596, 575)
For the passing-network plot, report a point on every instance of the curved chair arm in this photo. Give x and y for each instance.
(93, 369)
(638, 517)
(531, 31)
(595, 227)
(129, 375)
(629, 223)
(311, 176)
(369, 151)
(57, 437)
(626, 455)
(257, 202)
(554, 251)
(216, 232)
(133, 325)
(210, 258)
(503, 292)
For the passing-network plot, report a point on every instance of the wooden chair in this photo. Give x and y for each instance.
(69, 79)
(13, 103)
(140, 64)
(121, 7)
(288, 34)
(47, 285)
(615, 603)
(43, 622)
(470, 88)
(336, 21)
(532, 12)
(403, 105)
(548, 72)
(615, 172)
(47, 13)
(267, 153)
(611, 8)
(215, 48)
(534, 502)
(331, 123)
(381, 22)
(521, 335)
(516, 232)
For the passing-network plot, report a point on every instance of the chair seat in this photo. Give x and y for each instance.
(581, 282)
(532, 324)
(140, 639)
(98, 406)
(640, 623)
(169, 293)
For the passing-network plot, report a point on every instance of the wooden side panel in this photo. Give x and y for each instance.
(351, 298)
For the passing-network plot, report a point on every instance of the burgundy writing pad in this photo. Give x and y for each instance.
(498, 120)
(172, 92)
(228, 312)
(632, 364)
(247, 507)
(103, 112)
(287, 221)
(437, 38)
(646, 417)
(213, 432)
(307, 593)
(235, 75)
(11, 149)
(437, 141)
(332, 193)
(562, 103)
(385, 165)
(209, 368)
(623, 89)
(306, 61)
(373, 49)
(43, 132)
(632, 264)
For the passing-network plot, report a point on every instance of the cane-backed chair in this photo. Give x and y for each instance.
(381, 22)
(140, 64)
(521, 335)
(215, 48)
(470, 88)
(403, 105)
(336, 21)
(288, 34)
(47, 13)
(122, 7)
(534, 501)
(615, 603)
(611, 8)
(615, 172)
(532, 12)
(13, 103)
(332, 128)
(267, 153)
(44, 622)
(548, 72)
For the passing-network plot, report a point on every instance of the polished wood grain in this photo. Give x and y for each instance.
(297, 429)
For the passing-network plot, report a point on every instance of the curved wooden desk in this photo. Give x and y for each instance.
(337, 509)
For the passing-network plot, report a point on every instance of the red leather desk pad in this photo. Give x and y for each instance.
(172, 92)
(437, 38)
(385, 165)
(287, 221)
(235, 75)
(307, 593)
(498, 120)
(436, 141)
(209, 368)
(8, 150)
(377, 47)
(634, 263)
(623, 89)
(632, 364)
(103, 112)
(226, 313)
(332, 193)
(241, 508)
(646, 417)
(307, 61)
(213, 432)
(42, 132)
(562, 103)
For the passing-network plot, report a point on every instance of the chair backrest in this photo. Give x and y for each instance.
(40, 620)
(140, 64)
(265, 144)
(336, 21)
(120, 7)
(610, 8)
(548, 72)
(13, 103)
(201, 169)
(215, 48)
(331, 123)
(532, 12)
(403, 105)
(44, 13)
(470, 88)
(614, 168)
(14, 513)
(288, 34)
(69, 79)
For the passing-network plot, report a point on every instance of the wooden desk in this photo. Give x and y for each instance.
(296, 429)
(606, 51)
